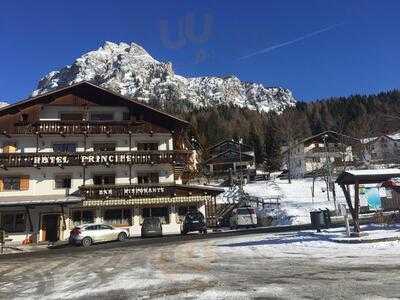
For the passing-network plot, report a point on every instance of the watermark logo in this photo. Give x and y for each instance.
(190, 30)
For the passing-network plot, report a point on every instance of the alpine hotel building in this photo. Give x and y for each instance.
(83, 154)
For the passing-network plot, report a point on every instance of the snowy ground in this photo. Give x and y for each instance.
(370, 232)
(296, 198)
(286, 266)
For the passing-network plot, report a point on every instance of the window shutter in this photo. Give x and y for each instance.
(1, 184)
(24, 183)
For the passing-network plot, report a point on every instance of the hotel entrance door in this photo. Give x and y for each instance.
(51, 227)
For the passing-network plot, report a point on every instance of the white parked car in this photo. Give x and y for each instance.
(88, 234)
(243, 217)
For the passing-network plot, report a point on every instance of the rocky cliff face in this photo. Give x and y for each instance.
(129, 70)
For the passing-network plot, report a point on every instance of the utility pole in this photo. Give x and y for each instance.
(240, 165)
(327, 160)
(289, 163)
(330, 175)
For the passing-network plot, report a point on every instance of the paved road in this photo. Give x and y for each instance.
(280, 265)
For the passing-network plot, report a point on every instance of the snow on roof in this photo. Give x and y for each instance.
(368, 140)
(395, 136)
(373, 172)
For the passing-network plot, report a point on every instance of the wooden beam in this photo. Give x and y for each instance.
(356, 208)
(30, 220)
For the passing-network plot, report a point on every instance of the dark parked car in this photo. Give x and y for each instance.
(151, 227)
(194, 221)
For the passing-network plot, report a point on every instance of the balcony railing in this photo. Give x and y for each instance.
(78, 127)
(54, 159)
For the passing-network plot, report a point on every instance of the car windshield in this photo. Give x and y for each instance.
(245, 211)
(195, 215)
(151, 221)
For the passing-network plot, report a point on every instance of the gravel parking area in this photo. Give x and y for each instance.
(281, 265)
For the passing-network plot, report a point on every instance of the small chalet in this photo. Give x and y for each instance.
(312, 154)
(230, 156)
(383, 149)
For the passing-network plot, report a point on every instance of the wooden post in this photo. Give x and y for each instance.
(354, 212)
(84, 174)
(356, 208)
(130, 173)
(30, 224)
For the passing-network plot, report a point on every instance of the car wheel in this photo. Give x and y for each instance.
(86, 242)
(122, 237)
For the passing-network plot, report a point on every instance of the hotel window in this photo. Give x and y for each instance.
(160, 212)
(62, 182)
(13, 222)
(119, 217)
(104, 179)
(80, 217)
(71, 116)
(101, 117)
(11, 183)
(147, 146)
(64, 147)
(103, 147)
(126, 116)
(10, 147)
(148, 178)
(14, 183)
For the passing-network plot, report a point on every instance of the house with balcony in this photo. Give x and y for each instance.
(384, 149)
(83, 154)
(230, 157)
(314, 154)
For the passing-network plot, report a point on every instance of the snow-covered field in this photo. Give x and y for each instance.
(296, 198)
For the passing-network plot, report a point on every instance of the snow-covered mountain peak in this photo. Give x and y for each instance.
(130, 70)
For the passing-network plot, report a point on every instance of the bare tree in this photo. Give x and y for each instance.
(290, 127)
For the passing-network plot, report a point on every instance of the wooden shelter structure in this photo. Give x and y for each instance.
(357, 177)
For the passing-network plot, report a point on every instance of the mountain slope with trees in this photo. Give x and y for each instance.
(358, 116)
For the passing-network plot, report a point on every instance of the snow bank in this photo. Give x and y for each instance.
(296, 198)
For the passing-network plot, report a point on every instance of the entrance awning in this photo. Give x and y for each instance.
(146, 201)
(38, 200)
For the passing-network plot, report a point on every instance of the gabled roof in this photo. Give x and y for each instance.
(229, 142)
(320, 136)
(367, 176)
(328, 132)
(245, 157)
(100, 95)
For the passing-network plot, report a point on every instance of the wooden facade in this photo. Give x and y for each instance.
(32, 169)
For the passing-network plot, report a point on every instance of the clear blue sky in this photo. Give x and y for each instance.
(315, 48)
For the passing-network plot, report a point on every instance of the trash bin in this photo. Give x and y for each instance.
(317, 219)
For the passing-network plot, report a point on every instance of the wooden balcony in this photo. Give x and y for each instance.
(53, 159)
(88, 128)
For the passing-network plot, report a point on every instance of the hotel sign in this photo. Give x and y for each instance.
(126, 191)
(133, 191)
(90, 158)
